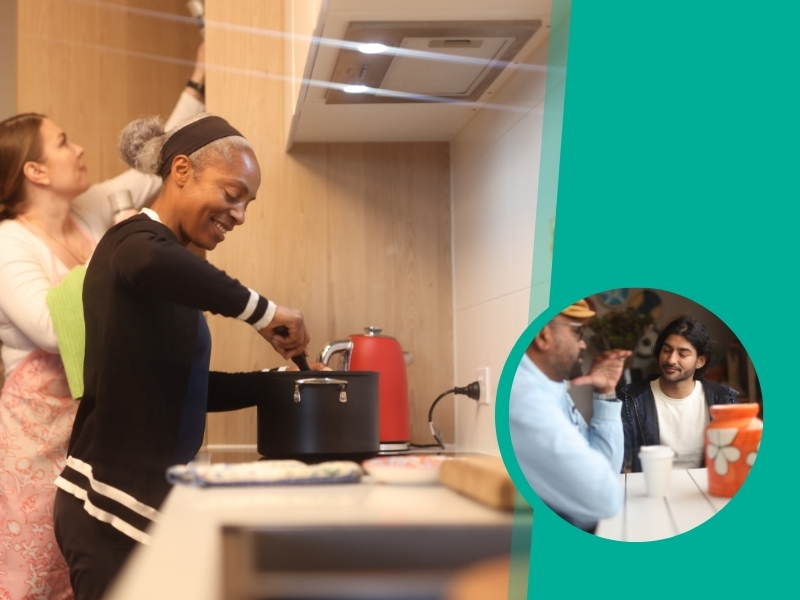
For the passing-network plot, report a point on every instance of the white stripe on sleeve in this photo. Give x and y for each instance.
(272, 308)
(251, 306)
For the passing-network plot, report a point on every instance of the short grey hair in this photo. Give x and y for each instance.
(141, 142)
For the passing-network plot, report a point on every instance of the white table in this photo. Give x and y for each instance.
(643, 519)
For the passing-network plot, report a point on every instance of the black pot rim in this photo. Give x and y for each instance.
(319, 374)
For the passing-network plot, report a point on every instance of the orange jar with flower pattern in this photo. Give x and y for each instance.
(732, 441)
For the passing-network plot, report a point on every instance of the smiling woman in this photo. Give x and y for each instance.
(217, 179)
(147, 380)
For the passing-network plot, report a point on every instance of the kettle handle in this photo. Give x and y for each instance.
(328, 351)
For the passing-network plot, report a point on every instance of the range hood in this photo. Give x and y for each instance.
(402, 71)
(425, 61)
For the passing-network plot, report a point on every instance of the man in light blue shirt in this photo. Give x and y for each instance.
(572, 466)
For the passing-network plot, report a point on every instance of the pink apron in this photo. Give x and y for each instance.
(36, 415)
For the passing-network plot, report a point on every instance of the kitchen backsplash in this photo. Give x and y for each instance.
(495, 173)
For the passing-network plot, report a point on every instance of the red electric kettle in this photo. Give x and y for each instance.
(375, 352)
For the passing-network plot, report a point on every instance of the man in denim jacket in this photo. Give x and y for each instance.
(572, 466)
(672, 408)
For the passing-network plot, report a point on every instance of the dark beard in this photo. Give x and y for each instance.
(576, 370)
(680, 377)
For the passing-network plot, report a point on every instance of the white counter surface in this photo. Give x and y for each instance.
(645, 519)
(183, 560)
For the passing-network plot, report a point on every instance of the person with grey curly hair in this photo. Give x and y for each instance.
(51, 219)
(142, 141)
(148, 347)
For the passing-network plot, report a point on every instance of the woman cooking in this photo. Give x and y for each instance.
(147, 380)
(51, 218)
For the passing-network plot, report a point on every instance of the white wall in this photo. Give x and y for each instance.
(495, 172)
(8, 58)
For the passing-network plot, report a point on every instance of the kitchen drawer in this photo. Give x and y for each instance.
(336, 563)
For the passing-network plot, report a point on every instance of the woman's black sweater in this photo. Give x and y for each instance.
(147, 384)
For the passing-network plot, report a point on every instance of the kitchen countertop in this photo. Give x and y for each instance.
(182, 560)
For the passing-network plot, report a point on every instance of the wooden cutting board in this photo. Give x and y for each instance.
(482, 478)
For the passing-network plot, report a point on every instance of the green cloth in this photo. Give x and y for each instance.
(66, 309)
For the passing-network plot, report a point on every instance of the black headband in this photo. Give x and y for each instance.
(191, 138)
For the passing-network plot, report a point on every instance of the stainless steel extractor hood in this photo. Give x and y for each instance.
(410, 70)
(426, 61)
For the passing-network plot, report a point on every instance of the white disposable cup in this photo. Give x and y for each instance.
(657, 466)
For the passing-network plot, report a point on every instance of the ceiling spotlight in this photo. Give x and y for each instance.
(355, 89)
(372, 48)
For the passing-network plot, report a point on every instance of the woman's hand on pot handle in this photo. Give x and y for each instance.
(291, 337)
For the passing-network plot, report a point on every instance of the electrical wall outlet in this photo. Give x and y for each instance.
(484, 376)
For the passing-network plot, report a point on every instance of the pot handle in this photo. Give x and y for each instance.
(321, 381)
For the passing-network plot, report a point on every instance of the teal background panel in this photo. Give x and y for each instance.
(678, 171)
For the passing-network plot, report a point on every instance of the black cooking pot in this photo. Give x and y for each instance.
(316, 416)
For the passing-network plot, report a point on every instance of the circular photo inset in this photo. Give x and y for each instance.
(635, 424)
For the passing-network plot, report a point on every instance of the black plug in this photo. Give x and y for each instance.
(472, 390)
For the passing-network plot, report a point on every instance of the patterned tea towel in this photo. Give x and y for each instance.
(265, 472)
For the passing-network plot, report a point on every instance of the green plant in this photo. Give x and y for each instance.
(719, 358)
(618, 330)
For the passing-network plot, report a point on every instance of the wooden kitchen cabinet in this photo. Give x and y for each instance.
(352, 234)
(92, 67)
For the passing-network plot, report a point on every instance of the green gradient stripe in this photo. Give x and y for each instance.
(520, 549)
(544, 229)
(540, 282)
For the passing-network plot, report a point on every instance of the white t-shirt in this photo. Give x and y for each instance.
(682, 425)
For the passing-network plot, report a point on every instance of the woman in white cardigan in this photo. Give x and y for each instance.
(51, 219)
